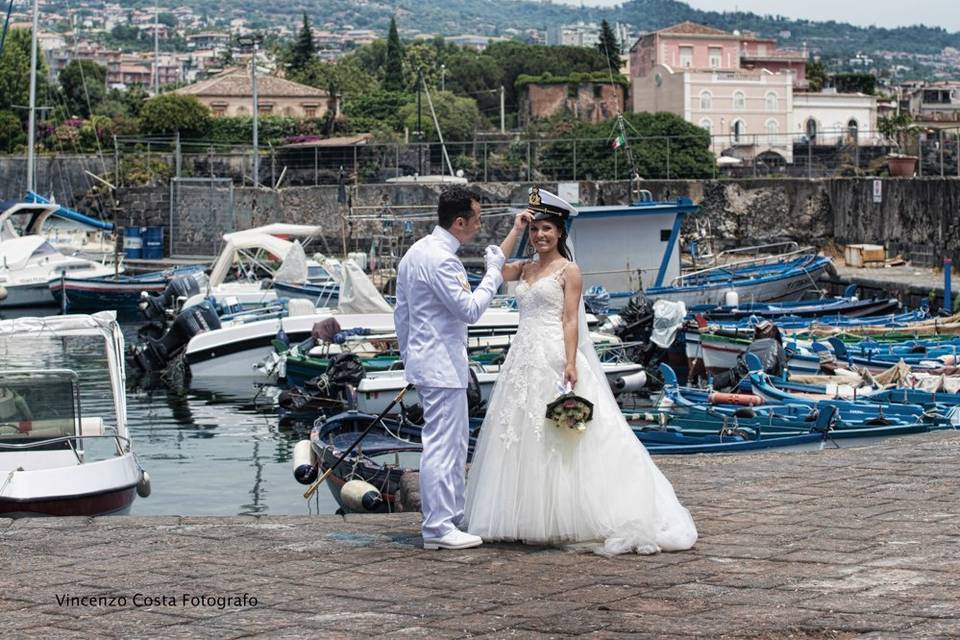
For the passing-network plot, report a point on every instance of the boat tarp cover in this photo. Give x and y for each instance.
(293, 270)
(357, 293)
(16, 252)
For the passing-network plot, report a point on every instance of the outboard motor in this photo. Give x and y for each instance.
(637, 319)
(153, 355)
(155, 307)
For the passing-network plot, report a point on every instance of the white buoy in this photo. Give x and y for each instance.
(360, 497)
(731, 299)
(143, 486)
(630, 383)
(304, 462)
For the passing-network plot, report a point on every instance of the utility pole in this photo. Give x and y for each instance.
(419, 131)
(503, 118)
(256, 116)
(254, 41)
(32, 118)
(156, 50)
(443, 75)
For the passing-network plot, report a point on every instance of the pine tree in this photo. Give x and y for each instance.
(393, 65)
(609, 47)
(303, 50)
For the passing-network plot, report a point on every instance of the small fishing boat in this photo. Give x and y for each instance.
(392, 448)
(118, 292)
(54, 460)
(782, 278)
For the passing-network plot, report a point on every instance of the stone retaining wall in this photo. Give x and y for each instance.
(918, 217)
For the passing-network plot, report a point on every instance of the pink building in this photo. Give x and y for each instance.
(736, 86)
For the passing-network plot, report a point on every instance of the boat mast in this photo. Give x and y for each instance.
(436, 123)
(32, 117)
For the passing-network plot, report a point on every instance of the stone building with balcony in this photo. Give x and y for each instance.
(933, 103)
(230, 93)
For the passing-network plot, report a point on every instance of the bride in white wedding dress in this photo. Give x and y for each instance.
(533, 482)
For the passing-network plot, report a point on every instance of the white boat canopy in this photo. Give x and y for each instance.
(103, 325)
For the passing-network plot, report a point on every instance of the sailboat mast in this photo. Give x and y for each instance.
(32, 117)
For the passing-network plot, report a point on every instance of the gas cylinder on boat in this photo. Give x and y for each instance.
(304, 462)
(360, 497)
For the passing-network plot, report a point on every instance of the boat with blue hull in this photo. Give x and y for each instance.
(119, 292)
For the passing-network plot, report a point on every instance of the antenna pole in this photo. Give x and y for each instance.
(32, 118)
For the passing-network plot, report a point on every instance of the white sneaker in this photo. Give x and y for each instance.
(456, 539)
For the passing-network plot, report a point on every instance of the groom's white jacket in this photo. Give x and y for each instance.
(434, 307)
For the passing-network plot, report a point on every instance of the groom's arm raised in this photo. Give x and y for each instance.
(450, 285)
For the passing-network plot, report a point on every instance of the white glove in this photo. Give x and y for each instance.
(494, 258)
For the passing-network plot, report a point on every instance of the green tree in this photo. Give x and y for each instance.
(345, 77)
(475, 75)
(303, 50)
(816, 75)
(459, 117)
(421, 58)
(11, 132)
(689, 150)
(515, 58)
(855, 83)
(84, 85)
(393, 60)
(15, 73)
(168, 19)
(608, 46)
(172, 112)
(376, 111)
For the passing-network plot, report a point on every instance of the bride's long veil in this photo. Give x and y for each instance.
(584, 341)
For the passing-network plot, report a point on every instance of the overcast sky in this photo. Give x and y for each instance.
(885, 13)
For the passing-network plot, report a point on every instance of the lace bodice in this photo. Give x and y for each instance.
(541, 301)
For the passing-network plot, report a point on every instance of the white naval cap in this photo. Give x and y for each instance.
(545, 205)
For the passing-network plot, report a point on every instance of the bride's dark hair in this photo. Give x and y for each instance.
(561, 226)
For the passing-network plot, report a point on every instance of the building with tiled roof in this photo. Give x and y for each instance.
(230, 93)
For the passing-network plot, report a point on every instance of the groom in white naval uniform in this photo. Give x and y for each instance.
(434, 307)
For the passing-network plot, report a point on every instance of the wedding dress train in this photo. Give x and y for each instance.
(534, 482)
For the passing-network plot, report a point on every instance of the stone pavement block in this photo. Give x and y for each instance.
(861, 622)
(471, 623)
(44, 633)
(947, 628)
(431, 633)
(358, 623)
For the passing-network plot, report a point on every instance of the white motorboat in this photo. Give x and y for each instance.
(377, 389)
(54, 460)
(27, 259)
(254, 254)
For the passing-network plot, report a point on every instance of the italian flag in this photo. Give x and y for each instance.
(619, 141)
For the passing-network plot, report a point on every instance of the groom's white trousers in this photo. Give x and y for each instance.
(444, 458)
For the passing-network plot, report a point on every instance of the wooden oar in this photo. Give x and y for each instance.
(310, 491)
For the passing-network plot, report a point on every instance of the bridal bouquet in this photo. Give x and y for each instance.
(571, 411)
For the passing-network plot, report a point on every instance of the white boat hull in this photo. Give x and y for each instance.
(234, 351)
(378, 390)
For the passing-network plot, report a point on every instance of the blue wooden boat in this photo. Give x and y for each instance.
(820, 310)
(120, 292)
(392, 448)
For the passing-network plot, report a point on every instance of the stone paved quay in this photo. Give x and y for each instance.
(844, 543)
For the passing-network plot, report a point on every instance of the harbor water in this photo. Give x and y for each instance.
(213, 448)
